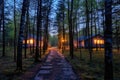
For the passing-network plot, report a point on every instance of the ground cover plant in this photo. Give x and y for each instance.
(93, 70)
(8, 65)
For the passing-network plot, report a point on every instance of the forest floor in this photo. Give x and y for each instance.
(61, 69)
(81, 64)
(93, 70)
(8, 66)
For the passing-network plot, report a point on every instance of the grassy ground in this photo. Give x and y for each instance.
(8, 66)
(93, 70)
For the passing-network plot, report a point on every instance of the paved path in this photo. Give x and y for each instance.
(56, 68)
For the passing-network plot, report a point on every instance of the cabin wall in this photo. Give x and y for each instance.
(85, 43)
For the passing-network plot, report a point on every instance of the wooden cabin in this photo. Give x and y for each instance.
(31, 41)
(94, 41)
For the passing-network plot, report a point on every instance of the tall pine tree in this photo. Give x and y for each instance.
(20, 37)
(108, 41)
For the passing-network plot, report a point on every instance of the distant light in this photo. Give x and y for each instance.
(98, 41)
(102, 41)
(63, 40)
(23, 41)
(82, 44)
(27, 41)
(31, 41)
(95, 41)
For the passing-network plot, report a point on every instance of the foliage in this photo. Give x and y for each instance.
(53, 40)
(94, 69)
(8, 66)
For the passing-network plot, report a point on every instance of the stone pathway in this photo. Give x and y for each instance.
(56, 68)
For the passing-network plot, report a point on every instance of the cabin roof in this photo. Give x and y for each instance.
(86, 37)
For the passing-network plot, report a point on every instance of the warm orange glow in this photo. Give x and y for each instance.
(95, 41)
(31, 41)
(63, 40)
(27, 41)
(23, 41)
(98, 41)
(82, 44)
(102, 41)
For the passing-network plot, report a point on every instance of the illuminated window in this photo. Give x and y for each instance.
(23, 41)
(95, 41)
(101, 42)
(27, 41)
(82, 44)
(31, 41)
(98, 41)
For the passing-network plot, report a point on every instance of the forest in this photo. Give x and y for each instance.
(85, 32)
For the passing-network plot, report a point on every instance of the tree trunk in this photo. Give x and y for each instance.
(91, 34)
(26, 33)
(3, 26)
(15, 31)
(63, 13)
(96, 46)
(38, 28)
(34, 20)
(70, 11)
(108, 41)
(88, 29)
(117, 33)
(20, 37)
(29, 32)
(26, 37)
(46, 34)
(0, 15)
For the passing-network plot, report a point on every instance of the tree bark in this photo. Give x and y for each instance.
(70, 11)
(88, 29)
(0, 15)
(15, 31)
(34, 21)
(20, 37)
(38, 28)
(108, 41)
(63, 22)
(3, 26)
(26, 33)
